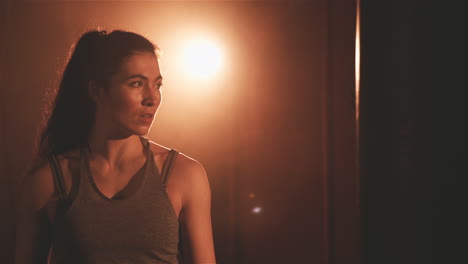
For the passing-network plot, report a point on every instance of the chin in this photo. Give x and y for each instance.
(142, 131)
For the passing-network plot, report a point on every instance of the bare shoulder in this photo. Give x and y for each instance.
(187, 185)
(187, 174)
(36, 188)
(183, 163)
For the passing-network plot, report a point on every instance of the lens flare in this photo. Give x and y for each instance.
(256, 210)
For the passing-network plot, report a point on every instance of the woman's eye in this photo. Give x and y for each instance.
(136, 84)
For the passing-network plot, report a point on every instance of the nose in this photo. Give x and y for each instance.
(150, 97)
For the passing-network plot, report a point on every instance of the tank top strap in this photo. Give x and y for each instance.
(57, 175)
(146, 144)
(168, 164)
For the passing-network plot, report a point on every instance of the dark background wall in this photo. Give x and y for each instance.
(393, 185)
(412, 131)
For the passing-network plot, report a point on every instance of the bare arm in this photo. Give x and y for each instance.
(195, 217)
(32, 220)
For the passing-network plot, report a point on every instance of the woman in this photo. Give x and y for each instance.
(100, 191)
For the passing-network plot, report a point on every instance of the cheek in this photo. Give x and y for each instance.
(130, 100)
(125, 103)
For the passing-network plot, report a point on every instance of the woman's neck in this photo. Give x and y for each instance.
(113, 150)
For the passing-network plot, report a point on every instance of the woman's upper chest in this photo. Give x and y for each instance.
(110, 183)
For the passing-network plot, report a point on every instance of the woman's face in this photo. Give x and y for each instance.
(130, 103)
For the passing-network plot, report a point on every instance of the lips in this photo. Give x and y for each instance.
(147, 118)
(147, 115)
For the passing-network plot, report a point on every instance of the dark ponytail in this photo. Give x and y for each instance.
(95, 57)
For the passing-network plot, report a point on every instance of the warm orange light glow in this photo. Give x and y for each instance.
(202, 59)
(358, 57)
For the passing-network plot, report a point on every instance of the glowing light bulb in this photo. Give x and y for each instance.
(202, 59)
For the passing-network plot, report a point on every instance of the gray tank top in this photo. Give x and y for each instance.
(137, 225)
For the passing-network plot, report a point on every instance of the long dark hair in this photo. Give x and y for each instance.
(95, 58)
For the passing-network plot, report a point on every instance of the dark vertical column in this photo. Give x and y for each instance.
(391, 188)
(6, 192)
(442, 54)
(412, 136)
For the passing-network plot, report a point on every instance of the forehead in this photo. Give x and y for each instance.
(139, 62)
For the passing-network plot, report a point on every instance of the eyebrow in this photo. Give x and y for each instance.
(142, 77)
